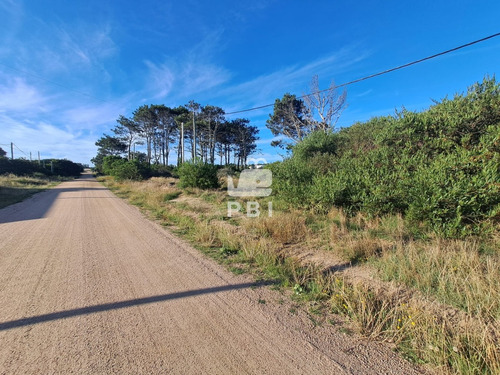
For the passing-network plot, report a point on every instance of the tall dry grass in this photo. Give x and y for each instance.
(422, 332)
(284, 228)
(454, 272)
(445, 311)
(15, 189)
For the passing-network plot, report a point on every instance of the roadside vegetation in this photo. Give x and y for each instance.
(20, 179)
(393, 224)
(14, 189)
(192, 129)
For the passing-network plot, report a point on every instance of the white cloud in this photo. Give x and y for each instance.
(58, 126)
(13, 7)
(183, 79)
(191, 72)
(364, 93)
(268, 141)
(161, 79)
(59, 51)
(200, 77)
(16, 95)
(86, 45)
(93, 115)
(294, 79)
(269, 157)
(50, 140)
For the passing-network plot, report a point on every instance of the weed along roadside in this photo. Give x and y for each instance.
(392, 224)
(356, 267)
(20, 179)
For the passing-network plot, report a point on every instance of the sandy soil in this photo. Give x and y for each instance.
(89, 286)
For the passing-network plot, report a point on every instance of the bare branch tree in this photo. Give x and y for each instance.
(323, 108)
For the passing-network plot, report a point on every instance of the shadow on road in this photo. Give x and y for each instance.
(123, 304)
(37, 206)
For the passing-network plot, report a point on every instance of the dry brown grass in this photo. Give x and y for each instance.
(453, 271)
(15, 189)
(284, 228)
(206, 235)
(357, 244)
(451, 342)
(444, 311)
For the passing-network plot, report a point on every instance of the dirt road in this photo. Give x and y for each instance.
(89, 286)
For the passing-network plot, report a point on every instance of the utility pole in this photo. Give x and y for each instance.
(38, 157)
(182, 142)
(165, 145)
(30, 156)
(194, 139)
(12, 150)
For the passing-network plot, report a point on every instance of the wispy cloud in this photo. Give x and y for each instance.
(189, 73)
(294, 79)
(59, 126)
(268, 141)
(12, 7)
(86, 45)
(161, 79)
(183, 79)
(49, 139)
(57, 50)
(48, 100)
(92, 116)
(364, 93)
(16, 95)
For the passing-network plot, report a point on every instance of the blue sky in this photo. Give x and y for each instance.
(68, 69)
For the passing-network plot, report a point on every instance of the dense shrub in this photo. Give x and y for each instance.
(123, 169)
(50, 167)
(440, 167)
(158, 170)
(66, 168)
(316, 143)
(20, 167)
(198, 174)
(228, 170)
(292, 181)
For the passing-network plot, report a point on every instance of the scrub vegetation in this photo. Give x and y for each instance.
(20, 178)
(392, 224)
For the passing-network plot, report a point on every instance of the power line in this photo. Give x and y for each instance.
(270, 105)
(376, 74)
(20, 150)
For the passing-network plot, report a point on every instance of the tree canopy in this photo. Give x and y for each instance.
(203, 131)
(294, 118)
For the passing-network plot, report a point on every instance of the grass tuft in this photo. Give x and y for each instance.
(14, 189)
(444, 312)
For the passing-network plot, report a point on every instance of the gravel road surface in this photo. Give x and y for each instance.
(90, 286)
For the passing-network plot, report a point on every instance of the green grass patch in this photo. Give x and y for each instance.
(14, 189)
(172, 195)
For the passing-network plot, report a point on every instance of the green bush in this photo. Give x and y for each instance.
(128, 170)
(64, 167)
(198, 175)
(123, 169)
(316, 143)
(292, 181)
(440, 167)
(158, 170)
(22, 167)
